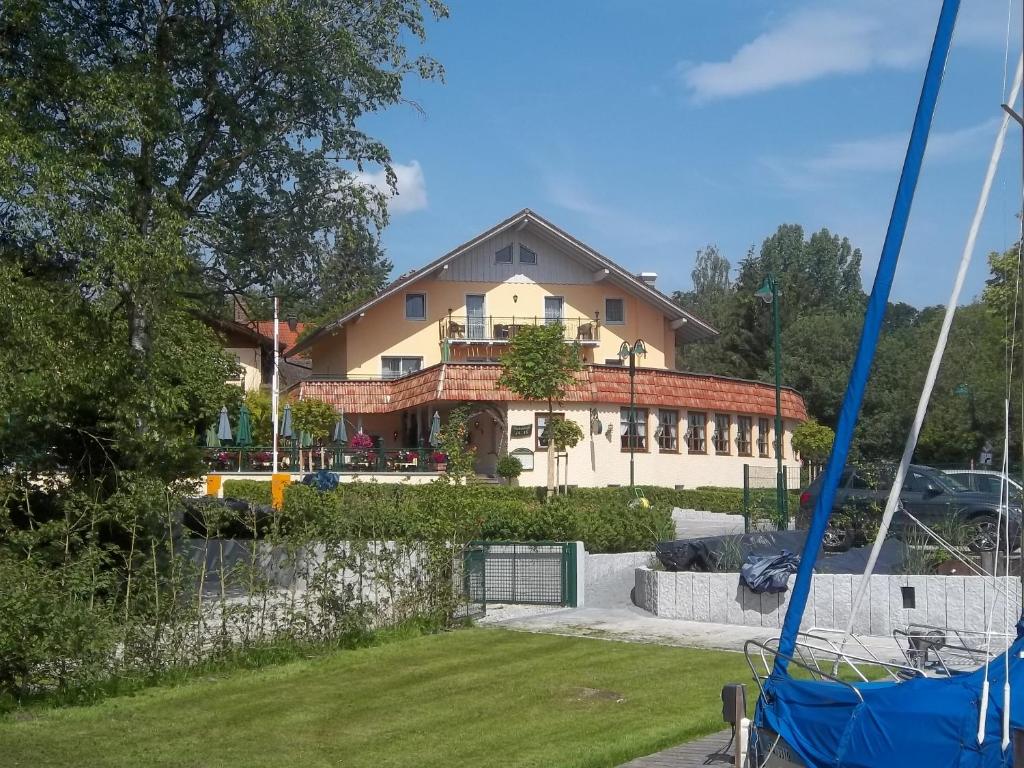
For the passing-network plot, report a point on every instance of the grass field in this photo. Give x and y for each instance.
(474, 697)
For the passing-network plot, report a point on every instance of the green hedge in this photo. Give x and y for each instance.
(602, 519)
(256, 491)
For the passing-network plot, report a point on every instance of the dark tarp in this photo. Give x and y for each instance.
(705, 554)
(768, 573)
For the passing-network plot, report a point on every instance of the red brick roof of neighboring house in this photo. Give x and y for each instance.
(458, 382)
(285, 335)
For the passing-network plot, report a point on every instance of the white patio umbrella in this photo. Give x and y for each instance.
(340, 433)
(224, 428)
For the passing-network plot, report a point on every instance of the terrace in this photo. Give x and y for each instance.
(491, 329)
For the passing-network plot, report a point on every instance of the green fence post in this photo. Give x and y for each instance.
(569, 587)
(746, 498)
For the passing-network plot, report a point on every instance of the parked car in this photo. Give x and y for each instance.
(933, 497)
(985, 480)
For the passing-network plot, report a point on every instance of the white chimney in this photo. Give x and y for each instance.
(649, 278)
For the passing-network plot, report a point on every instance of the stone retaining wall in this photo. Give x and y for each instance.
(957, 602)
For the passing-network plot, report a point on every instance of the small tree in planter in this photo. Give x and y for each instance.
(509, 467)
(316, 418)
(539, 366)
(565, 433)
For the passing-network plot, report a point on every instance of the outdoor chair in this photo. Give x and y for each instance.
(585, 332)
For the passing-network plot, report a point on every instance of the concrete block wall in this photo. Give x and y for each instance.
(695, 524)
(957, 602)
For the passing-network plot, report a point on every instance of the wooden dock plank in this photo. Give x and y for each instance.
(693, 754)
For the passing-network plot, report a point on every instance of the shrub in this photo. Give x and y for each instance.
(509, 467)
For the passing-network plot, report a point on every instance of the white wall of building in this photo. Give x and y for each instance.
(599, 460)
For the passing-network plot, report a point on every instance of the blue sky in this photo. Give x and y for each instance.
(650, 129)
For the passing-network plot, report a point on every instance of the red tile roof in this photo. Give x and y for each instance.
(459, 382)
(285, 335)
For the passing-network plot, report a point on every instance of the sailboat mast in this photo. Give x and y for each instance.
(873, 318)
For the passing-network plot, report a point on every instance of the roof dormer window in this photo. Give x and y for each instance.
(527, 256)
(504, 255)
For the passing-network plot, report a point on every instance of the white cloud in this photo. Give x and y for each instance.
(612, 222)
(412, 186)
(831, 39)
(878, 154)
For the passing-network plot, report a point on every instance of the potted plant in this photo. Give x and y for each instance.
(509, 467)
(440, 459)
(362, 443)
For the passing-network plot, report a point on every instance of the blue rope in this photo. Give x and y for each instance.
(873, 318)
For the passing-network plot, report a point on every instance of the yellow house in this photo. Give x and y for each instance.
(433, 339)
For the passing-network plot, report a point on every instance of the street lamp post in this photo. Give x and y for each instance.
(769, 293)
(631, 352)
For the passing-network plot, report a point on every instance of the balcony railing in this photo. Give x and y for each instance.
(501, 330)
(311, 459)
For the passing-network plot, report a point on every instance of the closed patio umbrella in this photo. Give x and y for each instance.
(435, 430)
(211, 440)
(224, 428)
(286, 422)
(340, 433)
(244, 435)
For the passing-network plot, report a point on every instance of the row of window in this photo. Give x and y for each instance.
(526, 255)
(633, 432)
(416, 308)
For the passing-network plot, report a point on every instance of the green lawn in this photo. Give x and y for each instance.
(474, 697)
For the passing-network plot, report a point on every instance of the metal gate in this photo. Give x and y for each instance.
(536, 572)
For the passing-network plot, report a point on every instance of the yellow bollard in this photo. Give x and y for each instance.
(277, 483)
(213, 484)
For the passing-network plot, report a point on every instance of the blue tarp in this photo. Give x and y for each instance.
(925, 721)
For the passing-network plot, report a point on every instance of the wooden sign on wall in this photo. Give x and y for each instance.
(521, 430)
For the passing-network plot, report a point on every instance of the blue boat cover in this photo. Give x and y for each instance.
(919, 722)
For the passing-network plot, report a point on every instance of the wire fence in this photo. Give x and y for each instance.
(766, 505)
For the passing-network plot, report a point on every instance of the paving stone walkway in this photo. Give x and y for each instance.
(715, 749)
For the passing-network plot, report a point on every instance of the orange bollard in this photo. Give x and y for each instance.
(213, 484)
(277, 484)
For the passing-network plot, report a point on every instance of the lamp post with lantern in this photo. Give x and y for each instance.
(631, 352)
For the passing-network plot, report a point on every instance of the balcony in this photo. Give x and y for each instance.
(489, 329)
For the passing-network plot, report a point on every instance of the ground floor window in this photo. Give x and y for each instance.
(696, 434)
(744, 429)
(633, 428)
(722, 427)
(668, 431)
(394, 367)
(762, 438)
(541, 425)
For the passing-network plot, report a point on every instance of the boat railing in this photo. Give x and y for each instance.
(820, 653)
(764, 650)
(948, 645)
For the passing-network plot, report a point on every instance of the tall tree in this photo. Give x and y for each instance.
(538, 366)
(160, 156)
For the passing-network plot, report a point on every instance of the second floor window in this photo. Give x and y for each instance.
(396, 367)
(553, 309)
(503, 256)
(722, 425)
(527, 256)
(614, 311)
(762, 438)
(696, 434)
(415, 306)
(633, 428)
(744, 428)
